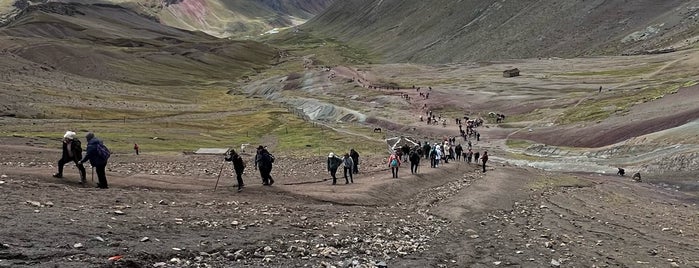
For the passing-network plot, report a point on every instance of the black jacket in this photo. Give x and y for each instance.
(264, 159)
(238, 162)
(75, 148)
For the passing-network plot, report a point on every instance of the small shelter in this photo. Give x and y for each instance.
(510, 73)
(398, 142)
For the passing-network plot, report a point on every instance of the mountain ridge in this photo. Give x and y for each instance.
(453, 31)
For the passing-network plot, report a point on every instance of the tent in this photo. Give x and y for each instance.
(398, 142)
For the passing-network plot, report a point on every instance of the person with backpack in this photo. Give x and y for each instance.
(263, 162)
(394, 163)
(426, 149)
(484, 159)
(72, 152)
(414, 158)
(333, 164)
(98, 154)
(355, 160)
(238, 167)
(476, 155)
(348, 164)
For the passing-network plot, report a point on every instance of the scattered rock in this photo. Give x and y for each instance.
(497, 262)
(159, 264)
(78, 245)
(177, 249)
(34, 203)
(119, 212)
(3, 176)
(555, 263)
(49, 204)
(144, 239)
(2, 182)
(99, 238)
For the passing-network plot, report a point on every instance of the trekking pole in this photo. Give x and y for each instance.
(219, 175)
(93, 174)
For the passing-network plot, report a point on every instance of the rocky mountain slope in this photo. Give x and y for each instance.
(221, 18)
(453, 31)
(57, 50)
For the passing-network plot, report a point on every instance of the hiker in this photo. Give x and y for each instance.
(621, 172)
(333, 164)
(405, 150)
(436, 155)
(135, 148)
(600, 89)
(414, 161)
(476, 155)
(458, 150)
(238, 167)
(355, 161)
(469, 154)
(394, 163)
(484, 159)
(637, 177)
(98, 160)
(348, 164)
(263, 162)
(470, 146)
(478, 136)
(72, 152)
(426, 149)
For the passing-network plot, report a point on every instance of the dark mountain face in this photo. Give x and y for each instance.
(115, 43)
(465, 30)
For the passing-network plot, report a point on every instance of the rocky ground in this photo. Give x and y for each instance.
(165, 213)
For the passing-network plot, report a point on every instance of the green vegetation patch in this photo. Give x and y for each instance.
(518, 144)
(592, 110)
(617, 72)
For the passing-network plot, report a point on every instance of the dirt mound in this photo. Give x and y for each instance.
(455, 31)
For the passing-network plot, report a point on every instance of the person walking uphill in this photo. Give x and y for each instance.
(333, 164)
(72, 152)
(348, 164)
(394, 164)
(238, 167)
(414, 158)
(484, 159)
(263, 162)
(355, 159)
(97, 154)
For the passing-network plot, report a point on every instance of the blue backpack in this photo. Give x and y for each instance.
(394, 162)
(102, 151)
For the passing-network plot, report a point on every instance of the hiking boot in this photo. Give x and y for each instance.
(240, 189)
(271, 181)
(57, 175)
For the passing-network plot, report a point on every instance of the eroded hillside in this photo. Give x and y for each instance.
(221, 18)
(455, 31)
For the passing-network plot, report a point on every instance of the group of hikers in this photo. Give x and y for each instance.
(98, 155)
(264, 161)
(435, 153)
(349, 162)
(95, 152)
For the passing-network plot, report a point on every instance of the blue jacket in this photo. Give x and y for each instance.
(92, 154)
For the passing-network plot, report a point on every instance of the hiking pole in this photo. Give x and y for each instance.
(219, 175)
(93, 174)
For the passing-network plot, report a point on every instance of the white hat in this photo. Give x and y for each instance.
(331, 155)
(69, 135)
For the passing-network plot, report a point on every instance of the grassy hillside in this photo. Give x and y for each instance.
(453, 31)
(133, 80)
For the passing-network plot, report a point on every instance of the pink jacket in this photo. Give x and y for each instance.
(390, 158)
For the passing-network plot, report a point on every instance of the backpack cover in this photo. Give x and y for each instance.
(102, 151)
